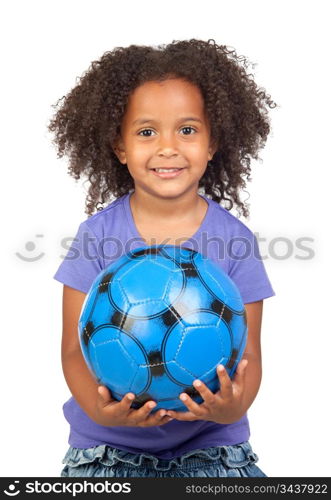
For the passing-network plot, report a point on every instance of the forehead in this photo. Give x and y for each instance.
(173, 95)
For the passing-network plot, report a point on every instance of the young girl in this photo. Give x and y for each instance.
(169, 132)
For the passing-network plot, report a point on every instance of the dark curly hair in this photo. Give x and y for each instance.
(88, 120)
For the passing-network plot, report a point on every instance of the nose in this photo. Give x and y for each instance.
(167, 145)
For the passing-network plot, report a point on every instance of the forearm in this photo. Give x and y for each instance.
(80, 381)
(252, 381)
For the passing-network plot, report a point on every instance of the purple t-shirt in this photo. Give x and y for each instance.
(103, 238)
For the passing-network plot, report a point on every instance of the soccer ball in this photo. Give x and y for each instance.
(158, 318)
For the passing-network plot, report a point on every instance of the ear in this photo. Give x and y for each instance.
(118, 148)
(212, 150)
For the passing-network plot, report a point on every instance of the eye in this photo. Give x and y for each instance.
(150, 130)
(188, 128)
(145, 130)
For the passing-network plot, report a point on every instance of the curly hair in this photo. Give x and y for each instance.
(88, 120)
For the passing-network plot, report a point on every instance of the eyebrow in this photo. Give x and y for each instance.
(141, 121)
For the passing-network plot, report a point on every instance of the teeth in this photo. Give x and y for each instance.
(166, 169)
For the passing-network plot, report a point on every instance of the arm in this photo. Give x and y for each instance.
(80, 381)
(99, 406)
(230, 403)
(253, 372)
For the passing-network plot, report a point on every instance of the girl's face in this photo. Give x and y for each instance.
(165, 126)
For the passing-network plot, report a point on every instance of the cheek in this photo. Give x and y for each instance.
(198, 153)
(199, 146)
(139, 153)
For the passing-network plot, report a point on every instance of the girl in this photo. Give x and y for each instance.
(169, 132)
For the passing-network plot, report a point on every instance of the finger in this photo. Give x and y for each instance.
(127, 401)
(144, 411)
(206, 393)
(225, 382)
(165, 420)
(185, 416)
(193, 407)
(239, 378)
(104, 395)
(155, 419)
(160, 416)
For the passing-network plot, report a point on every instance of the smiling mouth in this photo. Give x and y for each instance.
(166, 170)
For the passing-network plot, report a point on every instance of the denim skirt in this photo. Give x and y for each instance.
(104, 461)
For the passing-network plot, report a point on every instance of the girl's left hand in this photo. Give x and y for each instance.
(223, 407)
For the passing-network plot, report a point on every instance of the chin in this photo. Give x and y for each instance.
(168, 195)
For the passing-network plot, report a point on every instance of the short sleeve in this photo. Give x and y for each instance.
(82, 263)
(247, 269)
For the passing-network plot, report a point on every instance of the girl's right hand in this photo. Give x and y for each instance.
(110, 412)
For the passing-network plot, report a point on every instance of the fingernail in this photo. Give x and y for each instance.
(220, 368)
(197, 383)
(183, 397)
(152, 405)
(131, 397)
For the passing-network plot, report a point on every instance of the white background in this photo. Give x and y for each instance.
(45, 46)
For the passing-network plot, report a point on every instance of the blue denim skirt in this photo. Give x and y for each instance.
(219, 461)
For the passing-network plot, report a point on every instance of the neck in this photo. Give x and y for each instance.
(167, 210)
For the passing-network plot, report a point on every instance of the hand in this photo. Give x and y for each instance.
(223, 407)
(110, 412)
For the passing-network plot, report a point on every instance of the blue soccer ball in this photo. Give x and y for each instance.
(157, 319)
